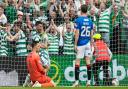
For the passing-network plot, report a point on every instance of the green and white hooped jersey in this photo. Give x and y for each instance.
(54, 43)
(21, 46)
(3, 43)
(45, 59)
(44, 55)
(69, 43)
(104, 20)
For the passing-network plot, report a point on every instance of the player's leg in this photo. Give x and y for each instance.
(95, 68)
(44, 81)
(27, 81)
(88, 56)
(88, 65)
(77, 66)
(106, 76)
(47, 84)
(79, 55)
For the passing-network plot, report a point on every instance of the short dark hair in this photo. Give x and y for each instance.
(17, 23)
(84, 8)
(34, 43)
(38, 22)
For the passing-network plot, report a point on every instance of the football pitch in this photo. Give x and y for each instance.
(93, 87)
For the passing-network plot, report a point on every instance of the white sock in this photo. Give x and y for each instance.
(27, 80)
(77, 81)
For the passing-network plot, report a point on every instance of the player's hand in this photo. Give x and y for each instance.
(29, 47)
(92, 43)
(43, 45)
(45, 70)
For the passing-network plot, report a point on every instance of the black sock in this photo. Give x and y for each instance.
(89, 72)
(77, 72)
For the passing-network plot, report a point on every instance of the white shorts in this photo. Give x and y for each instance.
(83, 51)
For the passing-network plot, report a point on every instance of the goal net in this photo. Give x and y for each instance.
(18, 23)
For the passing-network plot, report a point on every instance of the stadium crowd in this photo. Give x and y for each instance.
(18, 20)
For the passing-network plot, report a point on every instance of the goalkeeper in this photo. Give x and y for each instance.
(36, 70)
(40, 33)
(102, 56)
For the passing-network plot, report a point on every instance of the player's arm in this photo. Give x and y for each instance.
(76, 38)
(9, 37)
(76, 33)
(124, 14)
(91, 32)
(110, 53)
(46, 43)
(93, 10)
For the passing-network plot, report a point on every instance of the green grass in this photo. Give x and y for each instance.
(114, 87)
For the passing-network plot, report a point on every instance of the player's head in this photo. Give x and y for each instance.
(97, 36)
(36, 44)
(84, 8)
(40, 26)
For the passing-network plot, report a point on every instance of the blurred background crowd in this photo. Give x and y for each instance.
(19, 18)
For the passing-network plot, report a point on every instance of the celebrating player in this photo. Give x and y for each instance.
(83, 33)
(35, 68)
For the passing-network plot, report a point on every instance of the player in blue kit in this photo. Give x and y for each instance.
(83, 37)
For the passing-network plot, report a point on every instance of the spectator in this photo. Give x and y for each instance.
(104, 21)
(6, 36)
(68, 37)
(78, 4)
(62, 7)
(42, 16)
(125, 27)
(3, 18)
(19, 5)
(72, 14)
(25, 26)
(21, 45)
(116, 29)
(67, 20)
(11, 12)
(71, 6)
(61, 28)
(36, 5)
(56, 10)
(44, 4)
(53, 37)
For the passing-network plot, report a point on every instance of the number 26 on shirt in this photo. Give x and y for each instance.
(85, 31)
